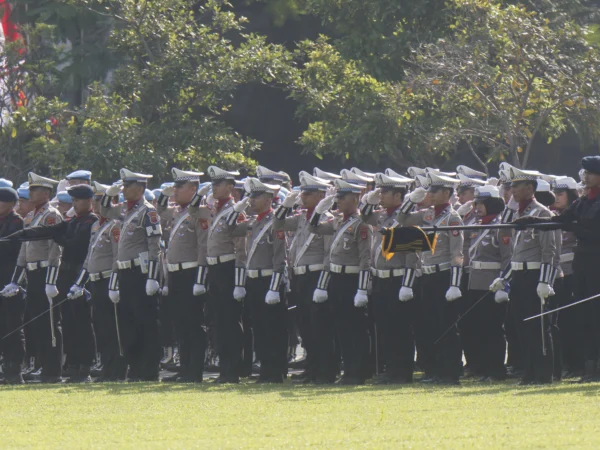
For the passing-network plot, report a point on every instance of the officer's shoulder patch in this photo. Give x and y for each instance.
(506, 240)
(280, 235)
(204, 224)
(364, 232)
(50, 220)
(116, 234)
(455, 233)
(153, 216)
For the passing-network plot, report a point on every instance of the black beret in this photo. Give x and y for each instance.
(8, 194)
(82, 191)
(591, 164)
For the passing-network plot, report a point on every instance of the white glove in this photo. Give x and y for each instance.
(10, 290)
(152, 287)
(71, 212)
(374, 197)
(168, 191)
(361, 299)
(114, 296)
(513, 204)
(501, 296)
(291, 199)
(241, 206)
(272, 297)
(330, 191)
(418, 195)
(210, 201)
(113, 190)
(320, 296)
(325, 204)
(239, 293)
(204, 190)
(75, 292)
(498, 284)
(51, 291)
(164, 291)
(463, 210)
(405, 294)
(544, 290)
(492, 181)
(199, 289)
(453, 293)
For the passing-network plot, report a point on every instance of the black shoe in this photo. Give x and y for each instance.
(170, 378)
(390, 379)
(189, 379)
(526, 382)
(305, 380)
(349, 381)
(300, 376)
(429, 380)
(448, 382)
(227, 380)
(321, 381)
(51, 380)
(81, 379)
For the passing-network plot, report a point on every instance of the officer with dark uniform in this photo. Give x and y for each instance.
(226, 258)
(187, 269)
(265, 290)
(349, 273)
(12, 301)
(137, 263)
(39, 261)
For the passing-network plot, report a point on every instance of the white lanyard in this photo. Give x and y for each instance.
(340, 234)
(177, 225)
(256, 240)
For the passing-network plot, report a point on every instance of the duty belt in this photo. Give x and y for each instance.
(338, 268)
(479, 265)
(389, 273)
(37, 265)
(100, 276)
(259, 273)
(301, 270)
(434, 268)
(182, 266)
(525, 265)
(123, 265)
(212, 260)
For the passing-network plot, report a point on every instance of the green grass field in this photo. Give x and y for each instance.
(292, 416)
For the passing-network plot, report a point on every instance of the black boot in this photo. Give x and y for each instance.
(590, 372)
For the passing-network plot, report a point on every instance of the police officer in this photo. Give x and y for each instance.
(39, 260)
(138, 269)
(530, 278)
(442, 273)
(12, 303)
(226, 258)
(265, 290)
(187, 269)
(394, 314)
(350, 262)
(308, 259)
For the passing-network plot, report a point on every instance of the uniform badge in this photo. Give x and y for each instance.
(204, 224)
(281, 235)
(506, 240)
(473, 235)
(153, 215)
(364, 233)
(116, 234)
(51, 220)
(455, 233)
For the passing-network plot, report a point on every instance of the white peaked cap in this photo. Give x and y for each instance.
(183, 175)
(216, 173)
(325, 175)
(128, 175)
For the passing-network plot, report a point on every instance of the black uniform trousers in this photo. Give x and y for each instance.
(269, 326)
(439, 315)
(138, 324)
(228, 319)
(586, 280)
(486, 323)
(40, 330)
(351, 325)
(572, 333)
(105, 327)
(424, 356)
(188, 314)
(303, 288)
(79, 338)
(525, 302)
(12, 313)
(552, 303)
(394, 324)
(468, 336)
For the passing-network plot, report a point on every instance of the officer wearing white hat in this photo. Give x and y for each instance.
(442, 273)
(308, 260)
(138, 257)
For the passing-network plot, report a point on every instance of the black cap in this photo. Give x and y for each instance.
(8, 194)
(81, 191)
(591, 164)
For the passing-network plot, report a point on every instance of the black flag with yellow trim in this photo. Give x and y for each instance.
(406, 239)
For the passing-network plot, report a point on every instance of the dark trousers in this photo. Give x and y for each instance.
(424, 351)
(138, 324)
(248, 343)
(303, 288)
(351, 325)
(269, 326)
(586, 280)
(228, 318)
(188, 314)
(326, 353)
(486, 323)
(40, 330)
(572, 334)
(439, 315)
(105, 327)
(525, 301)
(468, 337)
(394, 324)
(12, 313)
(166, 329)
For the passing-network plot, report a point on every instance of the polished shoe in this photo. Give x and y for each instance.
(429, 380)
(448, 382)
(227, 380)
(188, 379)
(349, 381)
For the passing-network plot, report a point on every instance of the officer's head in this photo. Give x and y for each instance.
(82, 196)
(392, 196)
(8, 200)
(440, 195)
(38, 195)
(185, 191)
(311, 197)
(133, 190)
(260, 202)
(465, 194)
(347, 202)
(489, 206)
(564, 198)
(223, 188)
(523, 190)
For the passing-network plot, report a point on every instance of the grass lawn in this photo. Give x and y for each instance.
(165, 416)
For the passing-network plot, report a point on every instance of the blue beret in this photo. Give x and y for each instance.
(591, 164)
(64, 197)
(80, 175)
(23, 192)
(156, 192)
(5, 183)
(149, 196)
(81, 191)
(121, 198)
(8, 194)
(164, 185)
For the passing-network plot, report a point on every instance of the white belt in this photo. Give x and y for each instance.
(486, 265)
(436, 268)
(301, 270)
(128, 264)
(181, 266)
(567, 257)
(338, 268)
(388, 273)
(259, 273)
(525, 265)
(212, 260)
(37, 265)
(100, 275)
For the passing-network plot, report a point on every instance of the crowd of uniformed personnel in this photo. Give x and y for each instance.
(97, 280)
